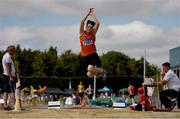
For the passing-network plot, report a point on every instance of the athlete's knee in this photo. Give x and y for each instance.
(90, 75)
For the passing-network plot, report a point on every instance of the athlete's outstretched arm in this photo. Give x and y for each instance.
(96, 27)
(82, 22)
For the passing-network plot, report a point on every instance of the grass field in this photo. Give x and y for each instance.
(89, 113)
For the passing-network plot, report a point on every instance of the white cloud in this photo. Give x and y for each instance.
(134, 37)
(13, 35)
(102, 7)
(65, 37)
(130, 38)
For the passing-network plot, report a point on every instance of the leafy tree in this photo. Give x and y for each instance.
(38, 64)
(140, 66)
(49, 63)
(69, 64)
(121, 69)
(24, 58)
(115, 62)
(132, 69)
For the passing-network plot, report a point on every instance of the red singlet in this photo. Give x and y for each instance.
(87, 44)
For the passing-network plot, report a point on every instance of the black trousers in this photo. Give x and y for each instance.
(92, 59)
(167, 95)
(178, 99)
(8, 86)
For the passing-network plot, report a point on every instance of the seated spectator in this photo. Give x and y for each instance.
(107, 95)
(75, 99)
(102, 95)
(69, 101)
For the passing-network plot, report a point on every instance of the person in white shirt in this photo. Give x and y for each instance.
(168, 97)
(149, 81)
(8, 78)
(69, 101)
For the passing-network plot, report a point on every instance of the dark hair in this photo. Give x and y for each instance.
(10, 48)
(167, 64)
(90, 22)
(149, 73)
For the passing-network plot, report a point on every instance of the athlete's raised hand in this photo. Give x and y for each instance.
(91, 10)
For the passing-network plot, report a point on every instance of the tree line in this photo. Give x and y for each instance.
(49, 63)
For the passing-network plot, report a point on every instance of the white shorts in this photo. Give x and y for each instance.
(150, 91)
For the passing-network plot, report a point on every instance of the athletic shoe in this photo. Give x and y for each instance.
(173, 105)
(103, 75)
(173, 100)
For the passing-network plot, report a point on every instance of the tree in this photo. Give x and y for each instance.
(115, 62)
(121, 69)
(38, 64)
(132, 69)
(140, 66)
(69, 64)
(50, 61)
(24, 58)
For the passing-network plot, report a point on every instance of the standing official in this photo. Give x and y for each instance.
(8, 78)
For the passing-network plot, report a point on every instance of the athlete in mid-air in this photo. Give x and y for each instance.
(88, 39)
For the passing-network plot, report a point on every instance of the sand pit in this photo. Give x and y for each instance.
(88, 113)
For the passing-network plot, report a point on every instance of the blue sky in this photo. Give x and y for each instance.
(127, 26)
(50, 19)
